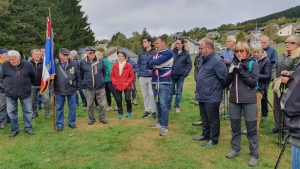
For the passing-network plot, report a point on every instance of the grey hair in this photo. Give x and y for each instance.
(264, 37)
(99, 53)
(35, 50)
(14, 53)
(256, 45)
(232, 38)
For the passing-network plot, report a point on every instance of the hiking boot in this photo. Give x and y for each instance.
(177, 110)
(108, 109)
(2, 126)
(154, 116)
(35, 116)
(91, 121)
(156, 125)
(134, 102)
(232, 154)
(163, 131)
(120, 116)
(128, 114)
(253, 162)
(147, 114)
(47, 116)
(244, 132)
(196, 103)
(197, 123)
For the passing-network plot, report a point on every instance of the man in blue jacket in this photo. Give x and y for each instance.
(161, 65)
(92, 71)
(182, 66)
(212, 73)
(17, 75)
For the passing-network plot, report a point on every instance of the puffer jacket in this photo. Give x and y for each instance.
(243, 84)
(108, 67)
(38, 69)
(127, 76)
(265, 71)
(143, 57)
(182, 63)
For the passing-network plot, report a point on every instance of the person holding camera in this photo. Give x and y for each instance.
(281, 71)
(243, 76)
(67, 83)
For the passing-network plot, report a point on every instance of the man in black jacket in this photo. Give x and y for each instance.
(3, 112)
(182, 66)
(67, 83)
(37, 63)
(18, 76)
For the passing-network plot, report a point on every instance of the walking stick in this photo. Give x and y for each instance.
(266, 99)
(281, 119)
(282, 151)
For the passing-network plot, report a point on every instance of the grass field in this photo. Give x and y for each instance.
(130, 143)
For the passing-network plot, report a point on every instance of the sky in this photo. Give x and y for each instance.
(108, 17)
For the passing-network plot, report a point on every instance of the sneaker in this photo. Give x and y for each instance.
(232, 154)
(163, 131)
(197, 123)
(35, 116)
(253, 162)
(116, 108)
(2, 126)
(177, 110)
(244, 132)
(120, 116)
(154, 116)
(156, 125)
(47, 116)
(134, 102)
(147, 114)
(108, 109)
(196, 103)
(128, 114)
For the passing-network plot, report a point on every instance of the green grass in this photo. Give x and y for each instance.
(130, 143)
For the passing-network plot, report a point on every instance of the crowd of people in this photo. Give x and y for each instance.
(245, 70)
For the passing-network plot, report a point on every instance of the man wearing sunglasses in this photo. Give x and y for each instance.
(92, 71)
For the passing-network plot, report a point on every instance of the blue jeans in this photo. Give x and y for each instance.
(295, 157)
(179, 85)
(60, 102)
(83, 99)
(12, 111)
(39, 100)
(162, 103)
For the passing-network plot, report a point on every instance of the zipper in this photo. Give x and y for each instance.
(236, 87)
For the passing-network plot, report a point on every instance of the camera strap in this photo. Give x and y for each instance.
(62, 71)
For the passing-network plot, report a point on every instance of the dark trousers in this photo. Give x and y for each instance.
(264, 103)
(109, 89)
(127, 99)
(210, 118)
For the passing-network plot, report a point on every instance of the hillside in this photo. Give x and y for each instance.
(288, 14)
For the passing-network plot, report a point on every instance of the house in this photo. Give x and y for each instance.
(213, 35)
(254, 37)
(191, 45)
(232, 33)
(286, 31)
(113, 56)
(176, 35)
(297, 30)
(103, 46)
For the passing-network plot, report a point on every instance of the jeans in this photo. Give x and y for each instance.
(295, 157)
(179, 85)
(161, 98)
(83, 99)
(3, 111)
(34, 91)
(12, 111)
(60, 102)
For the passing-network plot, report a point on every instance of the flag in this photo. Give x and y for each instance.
(49, 62)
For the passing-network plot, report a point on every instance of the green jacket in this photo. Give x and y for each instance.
(108, 67)
(284, 63)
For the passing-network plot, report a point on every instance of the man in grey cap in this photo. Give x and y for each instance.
(67, 83)
(17, 75)
(92, 71)
(3, 112)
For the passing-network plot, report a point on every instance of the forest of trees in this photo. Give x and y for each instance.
(23, 24)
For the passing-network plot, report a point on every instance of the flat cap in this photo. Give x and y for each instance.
(90, 48)
(4, 50)
(64, 51)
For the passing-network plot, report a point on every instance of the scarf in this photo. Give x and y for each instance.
(121, 66)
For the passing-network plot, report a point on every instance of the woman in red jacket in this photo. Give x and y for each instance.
(122, 77)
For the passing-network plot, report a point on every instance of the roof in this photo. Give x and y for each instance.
(111, 50)
(129, 52)
(232, 32)
(190, 39)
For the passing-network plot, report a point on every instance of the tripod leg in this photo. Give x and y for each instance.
(282, 151)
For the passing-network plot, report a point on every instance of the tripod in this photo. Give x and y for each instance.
(282, 151)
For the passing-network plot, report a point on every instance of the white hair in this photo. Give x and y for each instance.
(232, 38)
(14, 53)
(256, 45)
(264, 37)
(99, 53)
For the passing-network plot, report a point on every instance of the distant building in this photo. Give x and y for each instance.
(113, 56)
(232, 33)
(191, 45)
(213, 35)
(103, 46)
(176, 35)
(297, 30)
(291, 29)
(254, 37)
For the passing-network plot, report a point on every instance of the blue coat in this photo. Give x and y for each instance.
(211, 76)
(143, 57)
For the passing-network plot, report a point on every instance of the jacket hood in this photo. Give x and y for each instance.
(264, 55)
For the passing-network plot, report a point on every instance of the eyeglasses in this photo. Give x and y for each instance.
(255, 52)
(91, 53)
(202, 48)
(239, 51)
(291, 43)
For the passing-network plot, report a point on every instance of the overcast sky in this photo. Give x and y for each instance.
(107, 17)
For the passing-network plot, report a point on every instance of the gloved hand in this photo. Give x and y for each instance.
(237, 70)
(245, 67)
